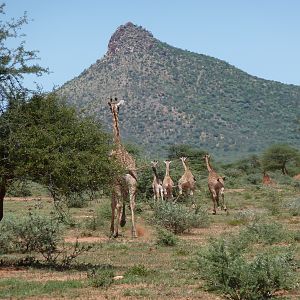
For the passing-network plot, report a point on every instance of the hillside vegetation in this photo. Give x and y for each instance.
(178, 97)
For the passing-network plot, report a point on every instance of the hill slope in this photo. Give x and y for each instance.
(175, 96)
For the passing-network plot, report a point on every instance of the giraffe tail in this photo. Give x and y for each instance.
(123, 218)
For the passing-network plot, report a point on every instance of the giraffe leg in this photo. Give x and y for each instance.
(161, 191)
(113, 212)
(132, 189)
(132, 196)
(223, 200)
(214, 199)
(180, 189)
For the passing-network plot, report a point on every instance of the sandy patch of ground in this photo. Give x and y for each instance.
(41, 276)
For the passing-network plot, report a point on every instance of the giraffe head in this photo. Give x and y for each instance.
(154, 163)
(167, 162)
(183, 159)
(115, 105)
(206, 156)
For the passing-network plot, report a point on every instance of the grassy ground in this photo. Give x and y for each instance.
(148, 271)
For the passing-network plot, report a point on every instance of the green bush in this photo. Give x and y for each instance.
(227, 270)
(76, 200)
(18, 189)
(31, 233)
(102, 214)
(266, 233)
(178, 218)
(102, 278)
(243, 217)
(293, 206)
(137, 270)
(166, 238)
(7, 237)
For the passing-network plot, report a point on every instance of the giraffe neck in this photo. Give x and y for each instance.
(185, 166)
(155, 174)
(209, 168)
(116, 129)
(167, 170)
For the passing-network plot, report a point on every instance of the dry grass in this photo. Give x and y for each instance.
(171, 274)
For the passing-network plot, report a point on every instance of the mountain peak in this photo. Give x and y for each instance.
(128, 38)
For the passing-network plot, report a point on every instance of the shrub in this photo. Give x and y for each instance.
(226, 270)
(101, 277)
(102, 214)
(293, 206)
(40, 234)
(266, 233)
(7, 239)
(243, 217)
(19, 189)
(254, 179)
(178, 218)
(137, 270)
(76, 200)
(166, 238)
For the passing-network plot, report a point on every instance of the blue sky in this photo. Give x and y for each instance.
(261, 37)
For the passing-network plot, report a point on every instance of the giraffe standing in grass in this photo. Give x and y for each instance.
(122, 185)
(215, 186)
(157, 187)
(187, 181)
(168, 182)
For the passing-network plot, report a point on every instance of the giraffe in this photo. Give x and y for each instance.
(215, 185)
(168, 182)
(122, 185)
(187, 180)
(157, 183)
(267, 179)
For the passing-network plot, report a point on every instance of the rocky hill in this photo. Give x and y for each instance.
(175, 96)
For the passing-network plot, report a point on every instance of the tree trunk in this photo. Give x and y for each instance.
(2, 195)
(284, 170)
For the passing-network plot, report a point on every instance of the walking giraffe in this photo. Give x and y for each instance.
(168, 182)
(215, 186)
(122, 185)
(156, 183)
(187, 181)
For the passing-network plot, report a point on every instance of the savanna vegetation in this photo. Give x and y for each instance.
(55, 177)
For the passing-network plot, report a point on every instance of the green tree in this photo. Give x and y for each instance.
(278, 156)
(14, 62)
(45, 141)
(194, 155)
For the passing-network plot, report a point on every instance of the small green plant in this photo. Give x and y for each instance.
(293, 206)
(179, 218)
(76, 200)
(268, 233)
(101, 278)
(38, 234)
(242, 218)
(137, 270)
(166, 238)
(102, 214)
(226, 269)
(19, 189)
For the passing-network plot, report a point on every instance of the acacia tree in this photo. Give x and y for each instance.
(278, 156)
(40, 138)
(14, 62)
(45, 141)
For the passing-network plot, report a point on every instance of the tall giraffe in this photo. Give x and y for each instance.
(215, 185)
(168, 182)
(122, 185)
(156, 183)
(187, 180)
